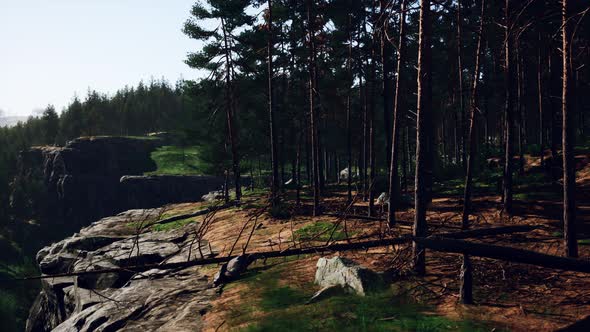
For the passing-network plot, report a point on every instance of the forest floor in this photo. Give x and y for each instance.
(508, 296)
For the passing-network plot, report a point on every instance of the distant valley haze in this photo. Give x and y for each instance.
(74, 46)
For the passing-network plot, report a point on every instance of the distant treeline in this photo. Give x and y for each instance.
(156, 106)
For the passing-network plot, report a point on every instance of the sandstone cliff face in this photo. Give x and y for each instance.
(71, 186)
(62, 189)
(169, 300)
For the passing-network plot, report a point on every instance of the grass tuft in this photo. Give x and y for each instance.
(320, 231)
(176, 160)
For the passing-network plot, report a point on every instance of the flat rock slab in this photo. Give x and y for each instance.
(159, 301)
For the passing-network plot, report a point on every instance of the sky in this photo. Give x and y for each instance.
(51, 50)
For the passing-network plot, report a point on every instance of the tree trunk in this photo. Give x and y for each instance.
(393, 170)
(313, 117)
(386, 67)
(460, 82)
(298, 173)
(540, 101)
(424, 105)
(466, 293)
(230, 113)
(520, 110)
(509, 104)
(348, 115)
(471, 132)
(406, 160)
(273, 147)
(568, 137)
(372, 133)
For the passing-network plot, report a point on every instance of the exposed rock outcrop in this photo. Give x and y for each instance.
(67, 187)
(347, 274)
(61, 189)
(170, 300)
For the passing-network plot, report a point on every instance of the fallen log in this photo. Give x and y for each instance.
(398, 222)
(508, 254)
(289, 252)
(481, 232)
(193, 214)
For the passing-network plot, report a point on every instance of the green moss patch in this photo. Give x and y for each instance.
(320, 231)
(176, 160)
(273, 305)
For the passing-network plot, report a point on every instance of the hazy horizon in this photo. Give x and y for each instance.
(52, 51)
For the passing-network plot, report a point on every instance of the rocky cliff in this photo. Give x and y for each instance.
(167, 300)
(61, 189)
(68, 187)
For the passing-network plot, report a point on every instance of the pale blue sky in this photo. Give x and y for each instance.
(53, 49)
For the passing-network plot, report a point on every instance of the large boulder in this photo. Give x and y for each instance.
(347, 274)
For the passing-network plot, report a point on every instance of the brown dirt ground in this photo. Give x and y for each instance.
(517, 296)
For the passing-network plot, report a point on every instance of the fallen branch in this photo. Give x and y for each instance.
(194, 214)
(436, 243)
(508, 254)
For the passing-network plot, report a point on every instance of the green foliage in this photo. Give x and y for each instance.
(280, 211)
(8, 311)
(320, 231)
(177, 160)
(16, 300)
(172, 225)
(285, 309)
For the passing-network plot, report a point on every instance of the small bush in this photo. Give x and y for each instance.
(280, 211)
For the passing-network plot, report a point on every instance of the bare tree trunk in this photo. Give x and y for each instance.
(230, 113)
(466, 292)
(568, 138)
(507, 193)
(365, 104)
(424, 105)
(540, 101)
(471, 132)
(273, 147)
(348, 114)
(298, 172)
(406, 159)
(520, 110)
(386, 68)
(460, 72)
(393, 170)
(313, 117)
(371, 119)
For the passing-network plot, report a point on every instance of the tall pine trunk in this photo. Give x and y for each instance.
(386, 68)
(271, 111)
(568, 138)
(371, 119)
(348, 115)
(460, 83)
(312, 111)
(509, 104)
(424, 111)
(395, 146)
(466, 292)
(540, 101)
(230, 114)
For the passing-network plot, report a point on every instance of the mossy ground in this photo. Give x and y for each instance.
(277, 305)
(320, 231)
(176, 160)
